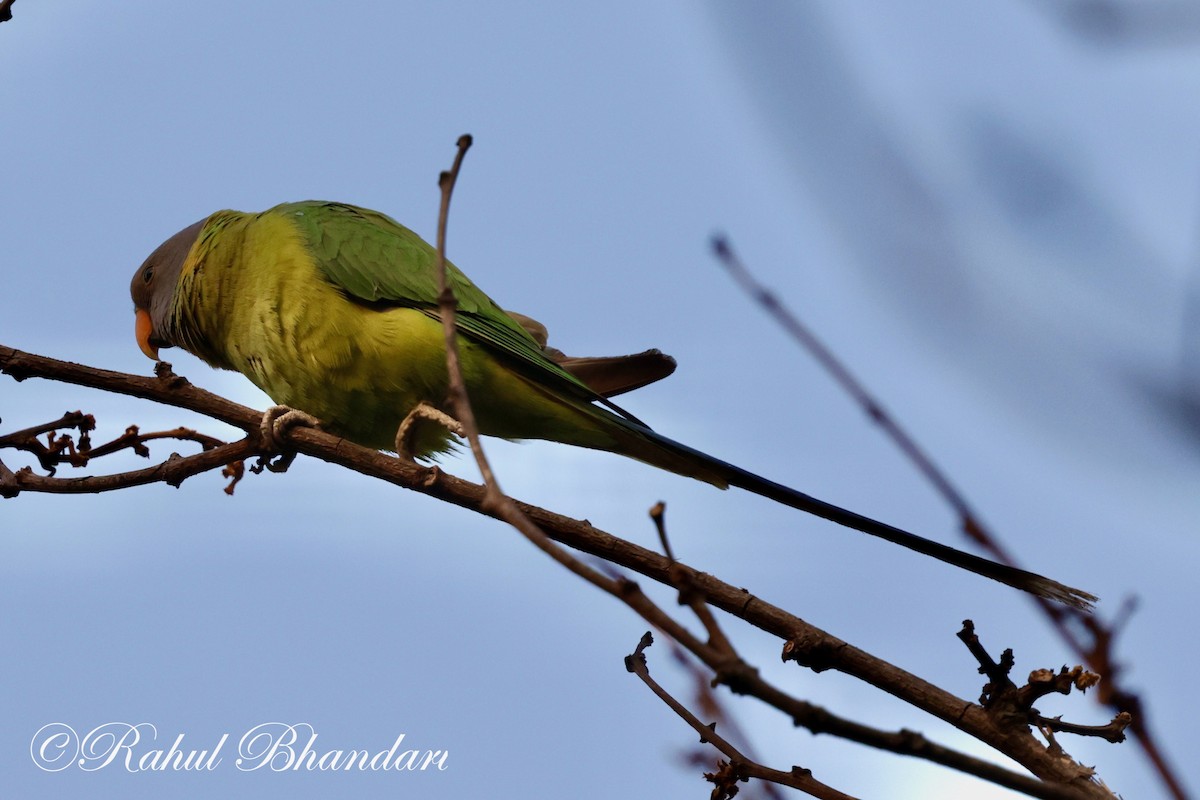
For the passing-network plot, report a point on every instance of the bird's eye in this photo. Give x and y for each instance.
(147, 274)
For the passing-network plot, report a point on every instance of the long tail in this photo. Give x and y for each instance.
(646, 445)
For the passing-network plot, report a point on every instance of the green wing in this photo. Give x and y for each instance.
(375, 259)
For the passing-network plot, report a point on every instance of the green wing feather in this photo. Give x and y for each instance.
(375, 259)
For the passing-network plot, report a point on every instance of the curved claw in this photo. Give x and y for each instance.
(276, 463)
(422, 411)
(274, 426)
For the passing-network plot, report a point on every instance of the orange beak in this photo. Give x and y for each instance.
(143, 328)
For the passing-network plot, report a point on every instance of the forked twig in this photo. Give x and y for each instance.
(742, 767)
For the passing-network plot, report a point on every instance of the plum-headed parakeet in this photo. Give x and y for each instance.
(331, 309)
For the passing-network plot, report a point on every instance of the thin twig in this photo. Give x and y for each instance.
(657, 514)
(681, 580)
(495, 501)
(1113, 732)
(134, 439)
(852, 386)
(797, 778)
(448, 306)
(708, 704)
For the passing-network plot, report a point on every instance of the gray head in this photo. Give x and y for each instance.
(153, 286)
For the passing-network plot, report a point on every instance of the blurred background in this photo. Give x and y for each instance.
(990, 213)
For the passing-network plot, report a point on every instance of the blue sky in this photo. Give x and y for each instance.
(990, 216)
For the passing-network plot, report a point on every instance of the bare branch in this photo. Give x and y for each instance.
(1098, 652)
(865, 400)
(172, 472)
(495, 502)
(730, 669)
(1113, 731)
(173, 390)
(60, 449)
(133, 439)
(742, 767)
(801, 636)
(748, 681)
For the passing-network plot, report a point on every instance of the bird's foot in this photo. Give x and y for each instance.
(422, 411)
(276, 421)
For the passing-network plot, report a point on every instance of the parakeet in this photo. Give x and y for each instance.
(331, 309)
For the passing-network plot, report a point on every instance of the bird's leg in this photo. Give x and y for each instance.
(422, 411)
(275, 422)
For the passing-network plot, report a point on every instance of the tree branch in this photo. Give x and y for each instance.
(742, 767)
(1096, 653)
(802, 637)
(174, 471)
(731, 669)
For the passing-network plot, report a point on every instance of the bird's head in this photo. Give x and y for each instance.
(153, 287)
